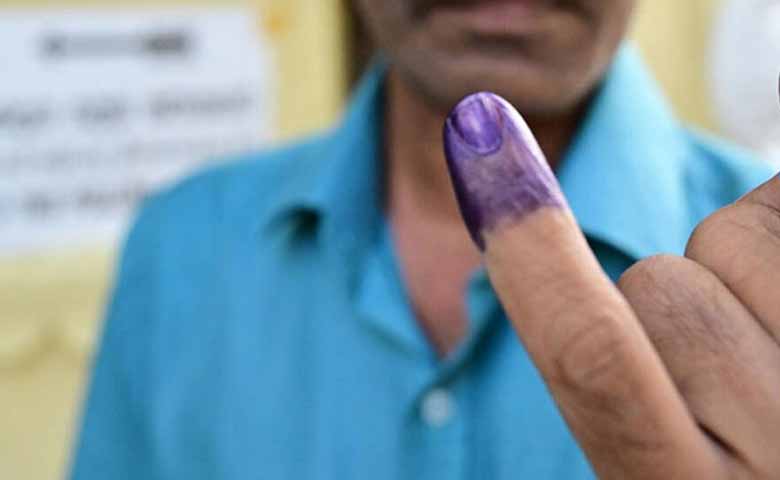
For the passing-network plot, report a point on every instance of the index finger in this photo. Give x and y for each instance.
(581, 333)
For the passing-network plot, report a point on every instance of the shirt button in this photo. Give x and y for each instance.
(437, 408)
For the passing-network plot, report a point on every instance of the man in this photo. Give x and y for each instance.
(320, 311)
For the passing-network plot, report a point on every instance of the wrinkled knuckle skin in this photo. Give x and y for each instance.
(763, 217)
(768, 199)
(657, 288)
(675, 302)
(646, 276)
(590, 362)
(655, 285)
(705, 234)
(724, 232)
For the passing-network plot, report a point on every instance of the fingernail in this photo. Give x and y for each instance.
(477, 122)
(497, 168)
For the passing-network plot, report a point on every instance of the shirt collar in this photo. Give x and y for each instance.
(623, 175)
(340, 178)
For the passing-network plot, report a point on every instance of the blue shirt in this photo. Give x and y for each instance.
(259, 327)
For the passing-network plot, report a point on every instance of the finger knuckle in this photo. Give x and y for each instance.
(705, 232)
(764, 217)
(677, 302)
(657, 286)
(647, 275)
(722, 233)
(591, 360)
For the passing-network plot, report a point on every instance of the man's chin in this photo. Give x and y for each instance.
(543, 98)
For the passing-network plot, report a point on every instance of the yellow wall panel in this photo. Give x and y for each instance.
(674, 39)
(51, 304)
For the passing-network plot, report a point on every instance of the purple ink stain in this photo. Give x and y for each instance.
(497, 168)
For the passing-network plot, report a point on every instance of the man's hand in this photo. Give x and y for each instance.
(674, 373)
(677, 373)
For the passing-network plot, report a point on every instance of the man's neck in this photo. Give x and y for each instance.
(416, 167)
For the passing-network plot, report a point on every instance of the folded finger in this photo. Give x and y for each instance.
(723, 362)
(740, 244)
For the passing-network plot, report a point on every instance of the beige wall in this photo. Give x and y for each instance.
(50, 305)
(673, 37)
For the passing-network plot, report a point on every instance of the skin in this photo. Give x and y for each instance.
(548, 67)
(545, 68)
(671, 374)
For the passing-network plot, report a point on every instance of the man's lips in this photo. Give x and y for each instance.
(493, 18)
(426, 6)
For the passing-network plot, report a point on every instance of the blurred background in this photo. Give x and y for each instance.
(102, 101)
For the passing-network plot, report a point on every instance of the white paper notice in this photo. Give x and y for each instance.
(97, 108)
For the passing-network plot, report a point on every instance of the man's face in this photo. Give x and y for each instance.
(544, 56)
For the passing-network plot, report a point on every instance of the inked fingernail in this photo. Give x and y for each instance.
(478, 124)
(497, 168)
